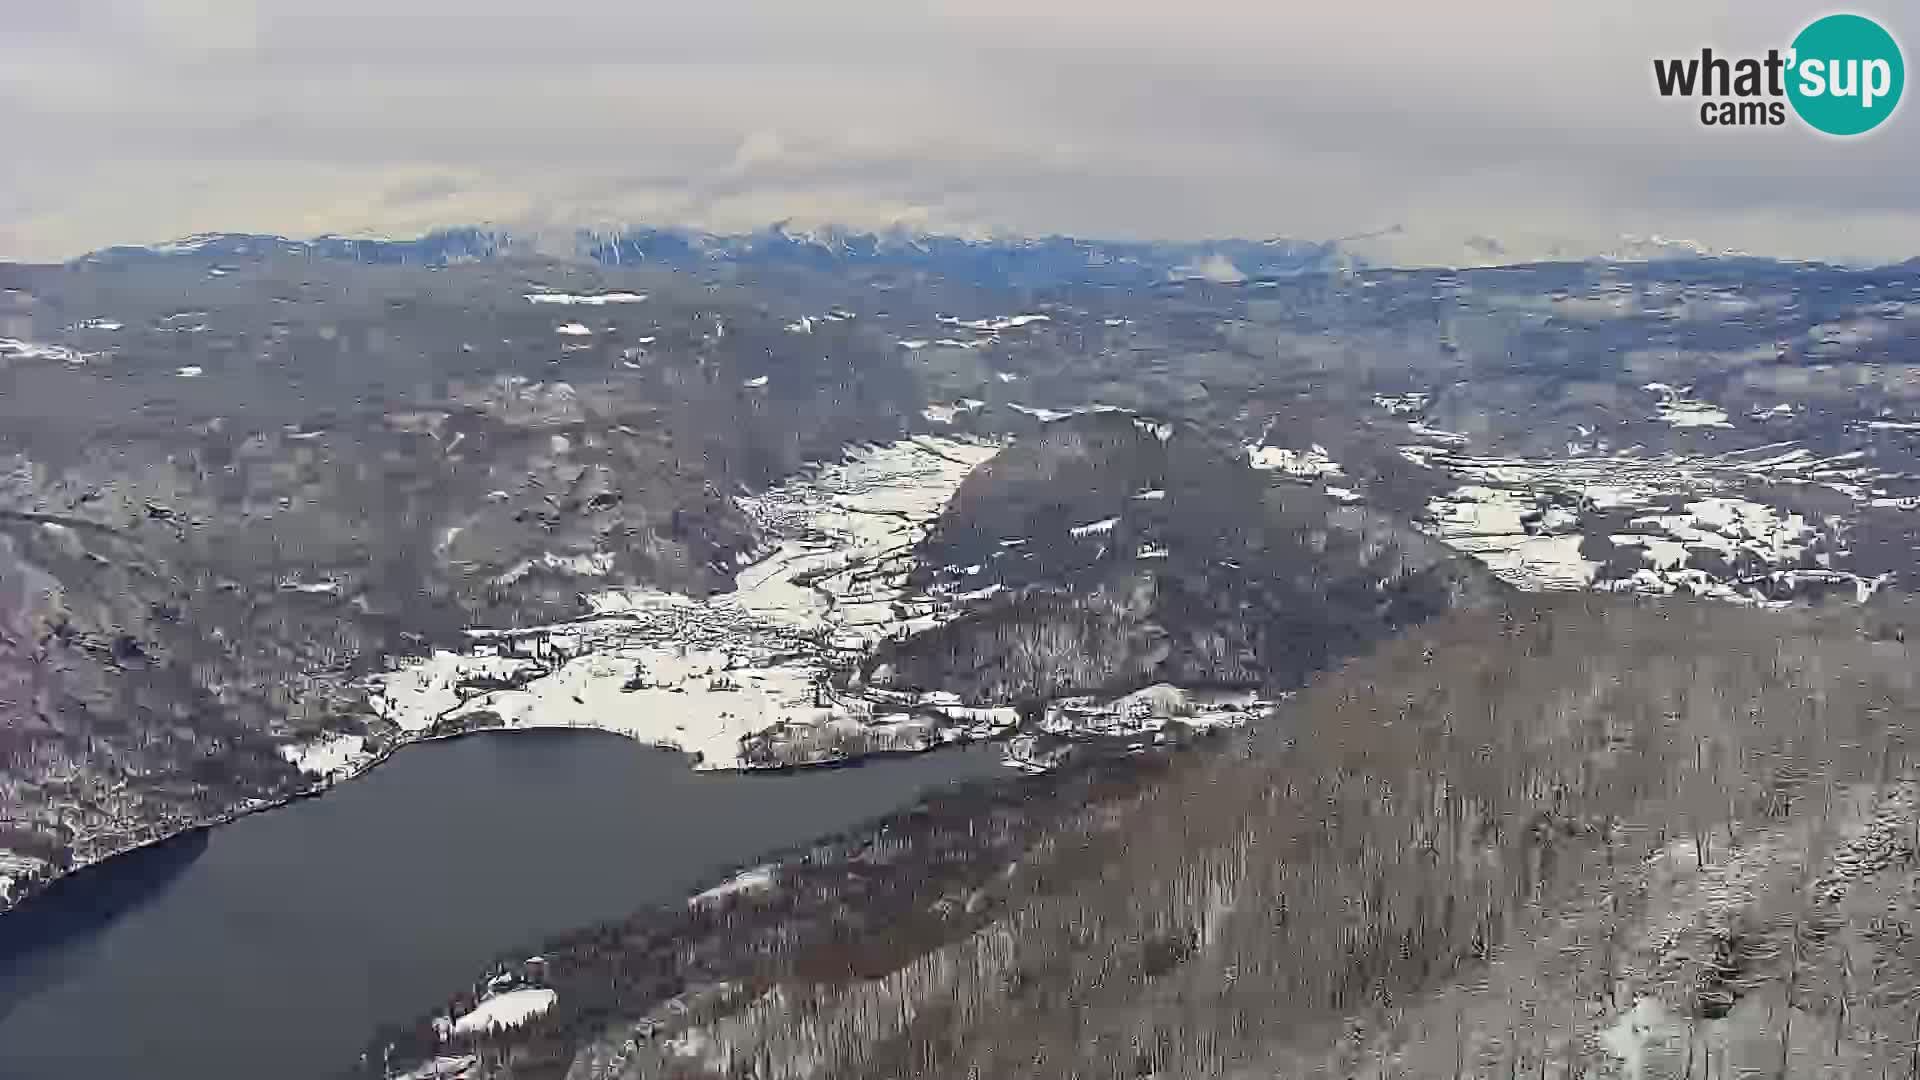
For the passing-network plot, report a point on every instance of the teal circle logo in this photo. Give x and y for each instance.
(1846, 75)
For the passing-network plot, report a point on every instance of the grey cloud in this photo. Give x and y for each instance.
(1533, 125)
(427, 190)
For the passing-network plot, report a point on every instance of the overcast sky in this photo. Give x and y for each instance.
(1534, 123)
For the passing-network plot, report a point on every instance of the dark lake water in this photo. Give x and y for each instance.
(275, 945)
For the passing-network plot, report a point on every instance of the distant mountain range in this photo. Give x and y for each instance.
(1021, 262)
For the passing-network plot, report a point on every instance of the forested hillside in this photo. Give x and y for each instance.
(1118, 551)
(226, 504)
(1576, 837)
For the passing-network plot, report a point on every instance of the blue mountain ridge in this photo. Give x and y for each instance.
(1017, 262)
(1021, 262)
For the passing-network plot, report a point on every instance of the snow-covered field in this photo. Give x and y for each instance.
(326, 756)
(1720, 525)
(739, 679)
(505, 1010)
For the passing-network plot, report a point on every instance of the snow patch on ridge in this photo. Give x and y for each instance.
(1314, 462)
(588, 299)
(1678, 410)
(757, 879)
(16, 349)
(947, 414)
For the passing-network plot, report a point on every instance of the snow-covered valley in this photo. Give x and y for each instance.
(747, 679)
(738, 679)
(1765, 524)
(1760, 526)
(765, 676)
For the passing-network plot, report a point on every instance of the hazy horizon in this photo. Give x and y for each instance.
(1535, 129)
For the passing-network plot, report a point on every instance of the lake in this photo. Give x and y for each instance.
(277, 944)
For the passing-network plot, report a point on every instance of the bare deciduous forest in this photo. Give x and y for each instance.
(1578, 837)
(1251, 583)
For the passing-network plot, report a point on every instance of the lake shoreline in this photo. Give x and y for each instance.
(926, 466)
(313, 927)
(953, 842)
(37, 891)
